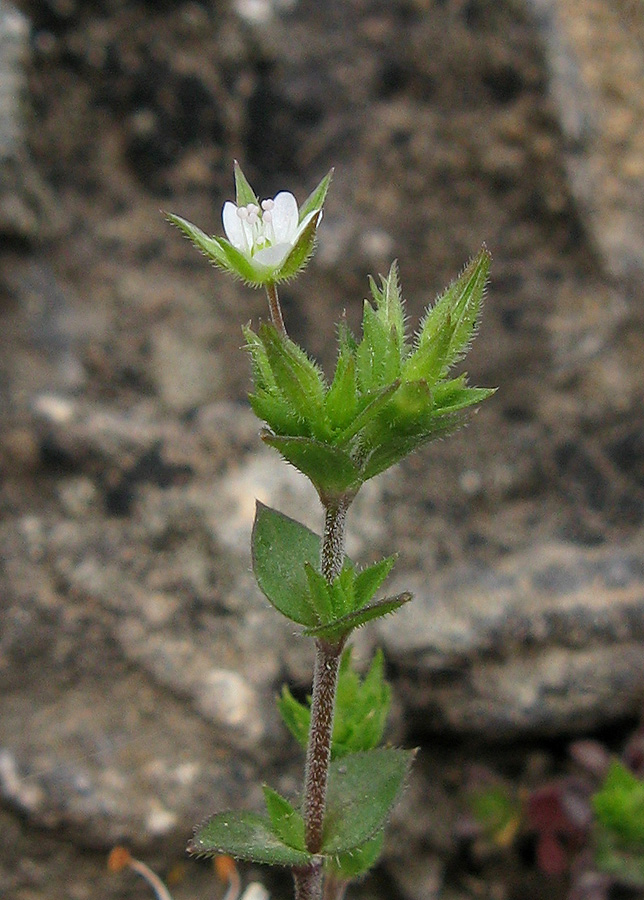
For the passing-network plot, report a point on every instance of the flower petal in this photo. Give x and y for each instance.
(272, 257)
(233, 226)
(284, 217)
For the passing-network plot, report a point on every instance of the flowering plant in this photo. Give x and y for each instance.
(389, 395)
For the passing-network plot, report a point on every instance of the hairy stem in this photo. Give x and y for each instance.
(275, 309)
(308, 881)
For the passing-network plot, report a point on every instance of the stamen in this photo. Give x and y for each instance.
(242, 212)
(267, 205)
(268, 216)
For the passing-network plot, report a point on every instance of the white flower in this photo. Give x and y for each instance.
(265, 235)
(265, 242)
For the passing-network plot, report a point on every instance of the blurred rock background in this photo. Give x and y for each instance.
(137, 660)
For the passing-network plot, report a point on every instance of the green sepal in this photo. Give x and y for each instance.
(315, 200)
(247, 836)
(244, 193)
(362, 788)
(287, 823)
(337, 630)
(454, 395)
(218, 250)
(330, 468)
(280, 548)
(301, 252)
(356, 862)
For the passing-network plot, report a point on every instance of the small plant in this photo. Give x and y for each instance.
(587, 825)
(388, 396)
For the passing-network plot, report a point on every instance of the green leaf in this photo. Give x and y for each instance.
(243, 191)
(361, 791)
(357, 862)
(298, 378)
(458, 308)
(295, 715)
(339, 628)
(341, 400)
(286, 822)
(389, 303)
(619, 805)
(370, 579)
(372, 403)
(361, 709)
(331, 469)
(247, 836)
(362, 706)
(375, 352)
(320, 593)
(263, 377)
(276, 412)
(316, 198)
(280, 548)
(428, 361)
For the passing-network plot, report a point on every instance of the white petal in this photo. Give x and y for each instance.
(272, 257)
(233, 226)
(285, 217)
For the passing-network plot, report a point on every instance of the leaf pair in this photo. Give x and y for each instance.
(286, 563)
(362, 788)
(361, 709)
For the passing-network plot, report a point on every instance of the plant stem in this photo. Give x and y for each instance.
(308, 881)
(275, 309)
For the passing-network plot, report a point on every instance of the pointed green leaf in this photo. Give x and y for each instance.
(362, 706)
(452, 400)
(287, 824)
(316, 198)
(277, 413)
(375, 352)
(374, 402)
(295, 715)
(389, 303)
(280, 548)
(369, 579)
(320, 593)
(429, 361)
(247, 836)
(337, 629)
(356, 862)
(263, 377)
(298, 378)
(341, 400)
(461, 302)
(361, 791)
(243, 191)
(331, 470)
(397, 447)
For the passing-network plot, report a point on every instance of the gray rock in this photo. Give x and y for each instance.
(550, 641)
(595, 57)
(26, 204)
